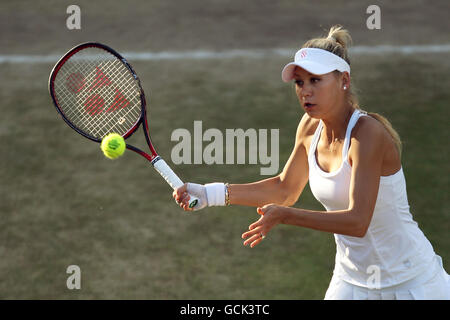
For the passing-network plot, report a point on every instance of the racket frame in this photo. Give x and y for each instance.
(143, 117)
(153, 157)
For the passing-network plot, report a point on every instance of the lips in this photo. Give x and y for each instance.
(308, 105)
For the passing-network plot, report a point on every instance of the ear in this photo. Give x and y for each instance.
(345, 80)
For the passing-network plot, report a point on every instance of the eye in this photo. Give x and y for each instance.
(299, 82)
(315, 80)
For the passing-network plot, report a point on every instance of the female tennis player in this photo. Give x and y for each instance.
(352, 162)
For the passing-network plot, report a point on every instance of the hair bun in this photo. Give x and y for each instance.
(340, 35)
(336, 42)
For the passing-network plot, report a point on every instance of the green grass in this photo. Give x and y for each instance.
(63, 203)
(158, 25)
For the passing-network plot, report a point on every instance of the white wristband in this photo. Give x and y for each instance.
(215, 193)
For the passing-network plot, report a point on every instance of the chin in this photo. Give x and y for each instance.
(312, 112)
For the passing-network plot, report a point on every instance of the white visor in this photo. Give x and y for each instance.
(315, 61)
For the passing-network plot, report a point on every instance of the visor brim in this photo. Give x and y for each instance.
(312, 67)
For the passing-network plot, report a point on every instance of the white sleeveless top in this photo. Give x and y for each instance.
(394, 245)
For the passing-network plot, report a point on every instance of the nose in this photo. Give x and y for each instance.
(305, 91)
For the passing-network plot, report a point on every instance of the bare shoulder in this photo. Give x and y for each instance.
(369, 130)
(370, 139)
(306, 127)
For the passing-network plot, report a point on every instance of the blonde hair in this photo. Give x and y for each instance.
(337, 41)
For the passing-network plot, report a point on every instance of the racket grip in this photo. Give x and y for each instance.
(172, 179)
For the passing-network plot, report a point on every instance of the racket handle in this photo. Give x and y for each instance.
(172, 179)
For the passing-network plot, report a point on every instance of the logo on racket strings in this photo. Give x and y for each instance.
(96, 92)
(75, 82)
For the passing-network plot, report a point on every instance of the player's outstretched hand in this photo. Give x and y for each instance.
(259, 229)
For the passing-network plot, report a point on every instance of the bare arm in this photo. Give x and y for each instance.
(283, 189)
(366, 153)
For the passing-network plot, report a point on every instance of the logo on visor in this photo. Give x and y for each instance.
(303, 54)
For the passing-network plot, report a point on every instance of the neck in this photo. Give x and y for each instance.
(335, 125)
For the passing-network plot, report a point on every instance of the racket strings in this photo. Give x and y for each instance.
(97, 93)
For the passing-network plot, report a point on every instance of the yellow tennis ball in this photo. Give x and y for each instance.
(113, 145)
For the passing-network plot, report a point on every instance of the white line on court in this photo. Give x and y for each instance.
(250, 53)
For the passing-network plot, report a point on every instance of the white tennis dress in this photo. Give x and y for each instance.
(394, 260)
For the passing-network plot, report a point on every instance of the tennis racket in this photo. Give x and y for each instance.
(97, 92)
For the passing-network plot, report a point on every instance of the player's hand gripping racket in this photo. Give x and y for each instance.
(97, 92)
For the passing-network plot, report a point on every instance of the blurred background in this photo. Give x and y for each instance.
(62, 203)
